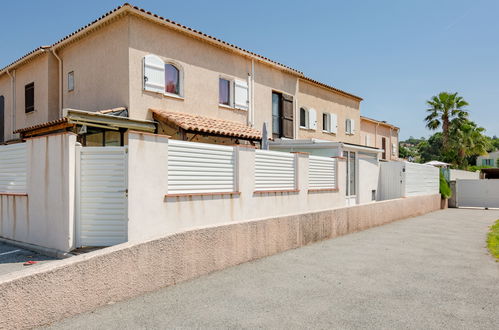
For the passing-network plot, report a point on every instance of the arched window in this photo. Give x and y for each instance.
(172, 79)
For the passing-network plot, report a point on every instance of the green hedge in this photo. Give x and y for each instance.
(445, 190)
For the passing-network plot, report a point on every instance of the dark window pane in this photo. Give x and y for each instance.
(172, 79)
(324, 122)
(224, 91)
(29, 97)
(303, 117)
(276, 111)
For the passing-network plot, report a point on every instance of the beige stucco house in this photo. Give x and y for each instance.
(381, 135)
(195, 86)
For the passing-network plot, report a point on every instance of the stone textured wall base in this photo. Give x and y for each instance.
(63, 288)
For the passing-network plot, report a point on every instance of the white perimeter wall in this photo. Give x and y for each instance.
(44, 214)
(463, 175)
(369, 173)
(477, 193)
(404, 179)
(151, 214)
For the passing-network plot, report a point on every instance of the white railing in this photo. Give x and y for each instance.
(274, 170)
(13, 168)
(200, 168)
(321, 173)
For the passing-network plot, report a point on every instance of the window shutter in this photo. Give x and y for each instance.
(154, 74)
(333, 123)
(348, 127)
(394, 149)
(287, 117)
(312, 119)
(241, 94)
(352, 126)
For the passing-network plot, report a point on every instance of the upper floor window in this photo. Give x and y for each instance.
(172, 79)
(29, 97)
(71, 81)
(329, 122)
(308, 118)
(282, 116)
(224, 92)
(161, 77)
(350, 126)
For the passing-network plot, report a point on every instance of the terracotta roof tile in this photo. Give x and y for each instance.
(203, 124)
(42, 125)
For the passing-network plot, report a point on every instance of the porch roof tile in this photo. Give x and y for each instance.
(196, 123)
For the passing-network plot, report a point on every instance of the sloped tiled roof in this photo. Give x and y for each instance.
(126, 7)
(203, 124)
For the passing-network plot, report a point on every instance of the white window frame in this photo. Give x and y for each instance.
(306, 118)
(326, 122)
(348, 127)
(180, 79)
(232, 82)
(71, 81)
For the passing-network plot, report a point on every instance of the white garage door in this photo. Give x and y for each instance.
(101, 201)
(477, 193)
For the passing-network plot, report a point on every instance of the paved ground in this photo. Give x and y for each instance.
(429, 272)
(12, 258)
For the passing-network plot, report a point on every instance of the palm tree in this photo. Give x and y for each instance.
(468, 140)
(444, 109)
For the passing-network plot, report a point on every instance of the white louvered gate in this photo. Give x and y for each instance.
(101, 196)
(274, 170)
(195, 168)
(321, 173)
(13, 168)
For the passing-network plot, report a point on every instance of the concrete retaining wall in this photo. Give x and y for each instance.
(62, 288)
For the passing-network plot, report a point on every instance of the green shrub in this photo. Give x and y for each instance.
(445, 190)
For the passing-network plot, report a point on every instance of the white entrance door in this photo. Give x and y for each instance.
(351, 179)
(101, 196)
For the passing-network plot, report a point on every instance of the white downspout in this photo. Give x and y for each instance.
(60, 81)
(252, 107)
(13, 102)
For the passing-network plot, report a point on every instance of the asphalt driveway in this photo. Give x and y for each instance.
(13, 258)
(429, 272)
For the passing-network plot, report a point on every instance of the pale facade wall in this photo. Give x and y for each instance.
(152, 215)
(323, 100)
(44, 217)
(40, 72)
(463, 175)
(202, 65)
(100, 65)
(372, 134)
(107, 66)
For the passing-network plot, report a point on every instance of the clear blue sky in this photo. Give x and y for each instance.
(395, 54)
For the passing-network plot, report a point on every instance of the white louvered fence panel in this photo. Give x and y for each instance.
(274, 170)
(102, 203)
(13, 168)
(200, 168)
(321, 173)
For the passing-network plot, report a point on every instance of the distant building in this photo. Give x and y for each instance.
(490, 159)
(382, 135)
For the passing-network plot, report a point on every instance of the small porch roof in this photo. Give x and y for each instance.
(323, 144)
(213, 126)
